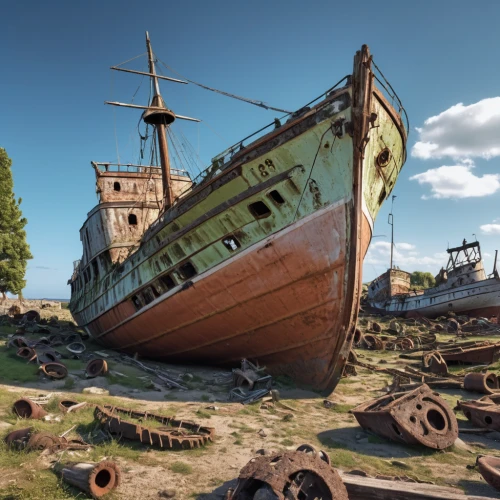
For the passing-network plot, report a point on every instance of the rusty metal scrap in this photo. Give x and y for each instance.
(68, 405)
(54, 370)
(96, 367)
(176, 434)
(96, 479)
(489, 467)
(25, 408)
(486, 353)
(416, 417)
(373, 342)
(485, 383)
(484, 412)
(290, 475)
(30, 440)
(433, 362)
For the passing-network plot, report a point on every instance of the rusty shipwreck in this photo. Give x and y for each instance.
(259, 258)
(462, 287)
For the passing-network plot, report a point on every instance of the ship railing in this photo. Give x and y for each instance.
(222, 159)
(135, 168)
(391, 95)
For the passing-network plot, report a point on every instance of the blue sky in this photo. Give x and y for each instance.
(56, 57)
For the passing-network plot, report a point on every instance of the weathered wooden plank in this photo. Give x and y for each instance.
(366, 488)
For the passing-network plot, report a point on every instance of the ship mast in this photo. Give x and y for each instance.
(391, 222)
(160, 118)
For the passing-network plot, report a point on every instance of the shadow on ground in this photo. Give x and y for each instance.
(358, 440)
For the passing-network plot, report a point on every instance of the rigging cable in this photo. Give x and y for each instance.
(260, 104)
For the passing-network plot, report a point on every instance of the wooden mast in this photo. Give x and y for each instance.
(160, 119)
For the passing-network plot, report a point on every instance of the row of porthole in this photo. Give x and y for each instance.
(186, 271)
(162, 285)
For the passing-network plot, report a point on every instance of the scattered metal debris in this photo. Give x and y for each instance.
(484, 412)
(290, 475)
(487, 353)
(161, 374)
(489, 467)
(176, 434)
(96, 479)
(25, 408)
(67, 405)
(54, 370)
(433, 362)
(96, 367)
(76, 348)
(485, 383)
(416, 417)
(30, 440)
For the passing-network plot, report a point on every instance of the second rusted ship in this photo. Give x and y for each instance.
(259, 259)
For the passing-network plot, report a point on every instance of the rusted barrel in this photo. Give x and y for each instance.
(96, 479)
(25, 408)
(485, 383)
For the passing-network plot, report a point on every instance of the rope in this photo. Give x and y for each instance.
(260, 104)
(329, 129)
(125, 62)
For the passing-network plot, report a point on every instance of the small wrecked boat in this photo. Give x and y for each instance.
(260, 256)
(462, 287)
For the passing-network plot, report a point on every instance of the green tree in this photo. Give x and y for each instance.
(14, 250)
(422, 279)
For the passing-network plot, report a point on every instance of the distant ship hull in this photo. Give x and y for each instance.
(262, 260)
(480, 299)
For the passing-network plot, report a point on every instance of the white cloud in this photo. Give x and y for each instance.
(405, 246)
(457, 181)
(405, 256)
(490, 228)
(461, 132)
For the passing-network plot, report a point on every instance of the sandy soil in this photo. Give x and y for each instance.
(300, 417)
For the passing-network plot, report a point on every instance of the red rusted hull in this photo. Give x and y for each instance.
(281, 302)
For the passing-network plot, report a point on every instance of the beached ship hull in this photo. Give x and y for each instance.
(263, 260)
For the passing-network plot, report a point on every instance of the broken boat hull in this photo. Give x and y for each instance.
(285, 291)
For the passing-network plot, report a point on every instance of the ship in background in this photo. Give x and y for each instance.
(259, 258)
(462, 287)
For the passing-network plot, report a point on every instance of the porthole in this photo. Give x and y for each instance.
(231, 243)
(259, 210)
(384, 157)
(186, 271)
(276, 197)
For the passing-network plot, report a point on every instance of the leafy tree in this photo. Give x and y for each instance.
(422, 279)
(14, 250)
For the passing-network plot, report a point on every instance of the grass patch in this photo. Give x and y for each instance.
(203, 414)
(14, 369)
(69, 383)
(181, 468)
(287, 442)
(342, 408)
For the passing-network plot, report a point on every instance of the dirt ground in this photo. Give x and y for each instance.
(206, 473)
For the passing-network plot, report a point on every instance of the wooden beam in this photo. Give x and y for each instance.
(136, 106)
(368, 488)
(148, 74)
